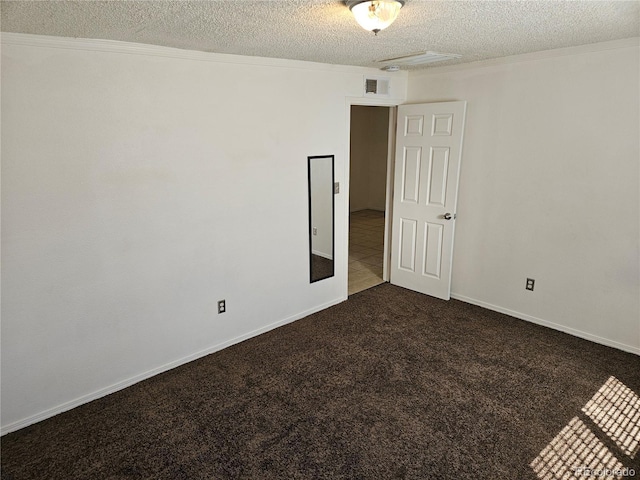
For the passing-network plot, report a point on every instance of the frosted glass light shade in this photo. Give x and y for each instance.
(376, 15)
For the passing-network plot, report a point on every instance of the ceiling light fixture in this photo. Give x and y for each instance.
(375, 15)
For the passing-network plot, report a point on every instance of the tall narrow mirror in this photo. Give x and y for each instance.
(321, 206)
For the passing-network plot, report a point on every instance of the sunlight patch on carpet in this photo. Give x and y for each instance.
(574, 450)
(615, 408)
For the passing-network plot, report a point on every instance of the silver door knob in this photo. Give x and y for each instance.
(447, 216)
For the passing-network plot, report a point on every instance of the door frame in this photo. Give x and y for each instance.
(391, 144)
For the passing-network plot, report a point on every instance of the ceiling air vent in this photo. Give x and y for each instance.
(376, 86)
(423, 58)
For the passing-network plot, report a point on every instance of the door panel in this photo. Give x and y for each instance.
(426, 189)
(414, 125)
(408, 245)
(411, 174)
(438, 174)
(433, 249)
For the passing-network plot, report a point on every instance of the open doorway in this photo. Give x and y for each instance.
(368, 185)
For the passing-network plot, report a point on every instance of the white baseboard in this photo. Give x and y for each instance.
(12, 427)
(220, 346)
(545, 323)
(322, 254)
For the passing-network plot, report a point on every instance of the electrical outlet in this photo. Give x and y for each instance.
(222, 306)
(530, 283)
(315, 230)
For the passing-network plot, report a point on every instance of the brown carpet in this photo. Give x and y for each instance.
(320, 268)
(390, 384)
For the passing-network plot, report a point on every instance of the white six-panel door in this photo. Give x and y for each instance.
(427, 167)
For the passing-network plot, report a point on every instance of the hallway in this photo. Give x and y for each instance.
(366, 249)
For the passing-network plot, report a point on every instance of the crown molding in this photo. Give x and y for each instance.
(129, 48)
(531, 57)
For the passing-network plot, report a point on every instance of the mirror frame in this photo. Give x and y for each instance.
(313, 279)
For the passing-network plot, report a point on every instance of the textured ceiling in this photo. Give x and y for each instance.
(325, 31)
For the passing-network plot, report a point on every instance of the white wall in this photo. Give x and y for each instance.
(550, 187)
(369, 143)
(140, 185)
